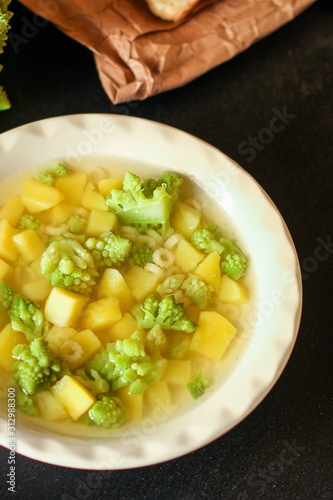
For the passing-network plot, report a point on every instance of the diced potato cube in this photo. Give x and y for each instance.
(49, 407)
(29, 245)
(92, 199)
(101, 222)
(232, 291)
(60, 213)
(105, 186)
(8, 250)
(72, 186)
(90, 345)
(102, 314)
(210, 270)
(185, 219)
(57, 336)
(187, 257)
(133, 403)
(158, 395)
(12, 209)
(63, 308)
(213, 335)
(178, 371)
(141, 282)
(37, 291)
(9, 338)
(5, 270)
(124, 329)
(73, 396)
(114, 284)
(37, 196)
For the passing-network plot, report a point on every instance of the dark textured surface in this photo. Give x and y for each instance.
(49, 74)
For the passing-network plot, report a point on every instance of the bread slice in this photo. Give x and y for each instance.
(171, 10)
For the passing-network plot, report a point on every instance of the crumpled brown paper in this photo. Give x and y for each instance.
(138, 55)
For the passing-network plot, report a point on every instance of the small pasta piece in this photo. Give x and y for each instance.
(172, 241)
(163, 258)
(173, 270)
(129, 232)
(154, 269)
(56, 230)
(70, 351)
(169, 233)
(98, 174)
(195, 203)
(181, 297)
(157, 237)
(147, 240)
(81, 212)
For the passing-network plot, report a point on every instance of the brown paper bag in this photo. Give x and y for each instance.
(138, 55)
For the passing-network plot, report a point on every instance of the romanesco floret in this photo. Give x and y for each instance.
(29, 222)
(125, 363)
(108, 412)
(140, 255)
(94, 382)
(144, 203)
(198, 386)
(166, 313)
(27, 317)
(156, 339)
(6, 296)
(68, 265)
(197, 290)
(26, 403)
(109, 249)
(77, 224)
(81, 238)
(171, 284)
(36, 369)
(50, 175)
(203, 239)
(233, 260)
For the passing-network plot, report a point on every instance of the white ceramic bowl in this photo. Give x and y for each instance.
(272, 255)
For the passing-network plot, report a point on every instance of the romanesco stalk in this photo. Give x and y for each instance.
(36, 369)
(204, 240)
(95, 383)
(171, 284)
(144, 203)
(166, 313)
(109, 249)
(68, 265)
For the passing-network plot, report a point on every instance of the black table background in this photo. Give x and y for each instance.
(48, 74)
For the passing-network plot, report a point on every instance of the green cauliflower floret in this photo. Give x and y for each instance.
(81, 238)
(5, 16)
(145, 203)
(140, 255)
(68, 265)
(108, 412)
(166, 313)
(50, 175)
(27, 317)
(198, 386)
(29, 222)
(233, 260)
(94, 382)
(109, 249)
(204, 240)
(171, 284)
(197, 290)
(26, 403)
(125, 363)
(77, 224)
(36, 369)
(6, 296)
